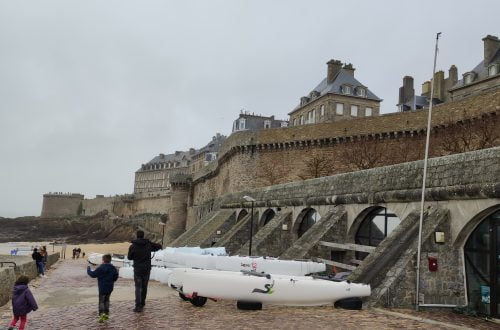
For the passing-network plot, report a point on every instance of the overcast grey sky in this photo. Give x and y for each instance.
(89, 90)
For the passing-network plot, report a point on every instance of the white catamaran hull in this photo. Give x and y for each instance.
(277, 289)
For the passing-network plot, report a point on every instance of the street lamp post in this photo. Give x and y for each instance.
(252, 200)
(163, 223)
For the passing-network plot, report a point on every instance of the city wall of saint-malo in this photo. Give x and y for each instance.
(251, 159)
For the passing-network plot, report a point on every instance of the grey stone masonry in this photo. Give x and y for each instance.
(304, 244)
(462, 176)
(236, 236)
(265, 241)
(208, 228)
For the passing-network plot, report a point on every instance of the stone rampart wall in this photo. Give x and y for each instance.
(472, 174)
(61, 205)
(24, 266)
(251, 159)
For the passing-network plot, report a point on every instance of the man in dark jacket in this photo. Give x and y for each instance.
(39, 262)
(140, 253)
(106, 275)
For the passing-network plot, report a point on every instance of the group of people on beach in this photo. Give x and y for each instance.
(77, 252)
(139, 252)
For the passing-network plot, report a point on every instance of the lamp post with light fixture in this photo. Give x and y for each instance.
(252, 200)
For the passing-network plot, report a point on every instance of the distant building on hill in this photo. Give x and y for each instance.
(338, 96)
(207, 154)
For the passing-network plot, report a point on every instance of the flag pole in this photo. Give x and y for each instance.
(422, 201)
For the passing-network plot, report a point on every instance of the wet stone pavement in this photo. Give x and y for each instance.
(68, 300)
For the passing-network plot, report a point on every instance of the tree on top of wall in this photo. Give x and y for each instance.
(272, 172)
(469, 134)
(318, 164)
(364, 154)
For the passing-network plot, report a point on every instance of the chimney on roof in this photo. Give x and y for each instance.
(453, 75)
(406, 92)
(491, 47)
(162, 156)
(426, 89)
(191, 151)
(334, 67)
(349, 69)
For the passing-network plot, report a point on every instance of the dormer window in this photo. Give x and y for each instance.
(493, 69)
(346, 89)
(468, 78)
(242, 123)
(360, 91)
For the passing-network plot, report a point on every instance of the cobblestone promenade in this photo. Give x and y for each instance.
(68, 300)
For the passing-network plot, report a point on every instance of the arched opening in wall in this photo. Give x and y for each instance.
(307, 218)
(375, 227)
(482, 265)
(241, 215)
(266, 217)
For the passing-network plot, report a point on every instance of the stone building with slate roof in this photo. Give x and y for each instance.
(338, 96)
(154, 177)
(485, 76)
(251, 121)
(207, 154)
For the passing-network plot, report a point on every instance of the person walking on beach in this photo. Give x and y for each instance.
(23, 302)
(106, 275)
(140, 253)
(39, 262)
(74, 253)
(45, 256)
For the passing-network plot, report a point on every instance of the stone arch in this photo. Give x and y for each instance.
(372, 226)
(243, 213)
(480, 244)
(471, 225)
(267, 216)
(305, 220)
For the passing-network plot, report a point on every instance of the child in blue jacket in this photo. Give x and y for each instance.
(106, 275)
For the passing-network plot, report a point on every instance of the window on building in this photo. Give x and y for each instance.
(302, 120)
(339, 109)
(493, 69)
(346, 89)
(368, 112)
(468, 78)
(375, 228)
(294, 121)
(284, 124)
(361, 91)
(242, 123)
(267, 123)
(322, 110)
(354, 110)
(310, 117)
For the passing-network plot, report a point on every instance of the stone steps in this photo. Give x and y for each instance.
(390, 259)
(301, 247)
(185, 238)
(261, 236)
(209, 227)
(232, 240)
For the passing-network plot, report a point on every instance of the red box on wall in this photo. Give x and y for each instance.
(433, 264)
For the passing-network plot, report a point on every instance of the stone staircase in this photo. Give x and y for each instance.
(304, 244)
(260, 238)
(194, 236)
(236, 236)
(390, 259)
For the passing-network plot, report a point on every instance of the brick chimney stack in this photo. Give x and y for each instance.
(350, 69)
(453, 75)
(334, 67)
(491, 46)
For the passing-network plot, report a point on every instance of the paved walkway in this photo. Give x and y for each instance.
(68, 300)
